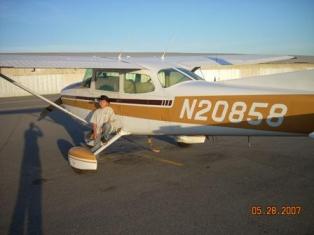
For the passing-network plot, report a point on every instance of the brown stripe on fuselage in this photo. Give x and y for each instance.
(124, 101)
(298, 119)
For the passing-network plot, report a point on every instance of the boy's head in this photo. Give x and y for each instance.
(104, 101)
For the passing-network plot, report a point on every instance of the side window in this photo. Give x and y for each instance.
(137, 83)
(87, 78)
(170, 77)
(107, 81)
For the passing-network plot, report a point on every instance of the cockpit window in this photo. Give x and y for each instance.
(87, 78)
(170, 77)
(138, 83)
(107, 81)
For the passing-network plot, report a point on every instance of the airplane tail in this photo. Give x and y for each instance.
(299, 80)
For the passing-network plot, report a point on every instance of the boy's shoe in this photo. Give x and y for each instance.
(90, 143)
(103, 142)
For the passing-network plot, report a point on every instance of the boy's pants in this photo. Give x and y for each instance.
(107, 129)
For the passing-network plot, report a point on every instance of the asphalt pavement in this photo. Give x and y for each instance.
(214, 188)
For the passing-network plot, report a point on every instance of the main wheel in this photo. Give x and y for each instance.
(183, 145)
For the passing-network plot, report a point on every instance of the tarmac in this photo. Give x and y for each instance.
(210, 188)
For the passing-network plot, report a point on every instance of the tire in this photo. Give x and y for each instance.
(183, 145)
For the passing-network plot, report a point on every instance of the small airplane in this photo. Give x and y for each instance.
(164, 96)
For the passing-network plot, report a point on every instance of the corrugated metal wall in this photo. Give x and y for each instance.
(43, 81)
(219, 74)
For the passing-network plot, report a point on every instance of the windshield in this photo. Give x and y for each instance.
(190, 73)
(172, 76)
(87, 78)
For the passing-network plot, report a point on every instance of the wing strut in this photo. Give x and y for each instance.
(42, 98)
(112, 140)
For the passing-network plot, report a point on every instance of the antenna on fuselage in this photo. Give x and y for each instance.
(163, 56)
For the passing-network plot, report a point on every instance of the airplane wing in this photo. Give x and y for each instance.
(79, 61)
(54, 61)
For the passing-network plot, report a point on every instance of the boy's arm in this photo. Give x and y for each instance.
(94, 126)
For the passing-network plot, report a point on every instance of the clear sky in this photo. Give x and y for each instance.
(218, 26)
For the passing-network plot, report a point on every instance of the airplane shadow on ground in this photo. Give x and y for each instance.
(27, 215)
(74, 129)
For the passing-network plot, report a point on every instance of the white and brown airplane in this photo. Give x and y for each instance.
(163, 96)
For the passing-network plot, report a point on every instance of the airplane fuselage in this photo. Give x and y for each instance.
(203, 108)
